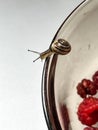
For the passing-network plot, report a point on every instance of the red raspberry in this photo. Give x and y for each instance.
(81, 91)
(90, 128)
(95, 79)
(88, 111)
(86, 87)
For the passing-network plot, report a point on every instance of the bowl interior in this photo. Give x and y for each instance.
(65, 72)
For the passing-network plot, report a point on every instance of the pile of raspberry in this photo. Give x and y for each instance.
(88, 108)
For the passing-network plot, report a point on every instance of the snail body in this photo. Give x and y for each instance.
(60, 46)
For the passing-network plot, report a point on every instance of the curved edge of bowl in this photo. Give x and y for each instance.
(47, 91)
(48, 98)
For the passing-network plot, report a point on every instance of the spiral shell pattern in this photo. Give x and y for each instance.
(61, 47)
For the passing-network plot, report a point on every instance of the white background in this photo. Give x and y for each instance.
(26, 24)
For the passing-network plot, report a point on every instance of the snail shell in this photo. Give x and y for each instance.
(61, 47)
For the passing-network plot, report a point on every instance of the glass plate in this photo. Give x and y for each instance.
(61, 74)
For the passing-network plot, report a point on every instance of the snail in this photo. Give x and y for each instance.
(60, 46)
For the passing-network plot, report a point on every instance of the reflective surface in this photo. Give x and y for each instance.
(62, 73)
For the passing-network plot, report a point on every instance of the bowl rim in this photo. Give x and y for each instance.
(47, 91)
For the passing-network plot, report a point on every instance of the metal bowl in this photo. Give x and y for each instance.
(61, 74)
